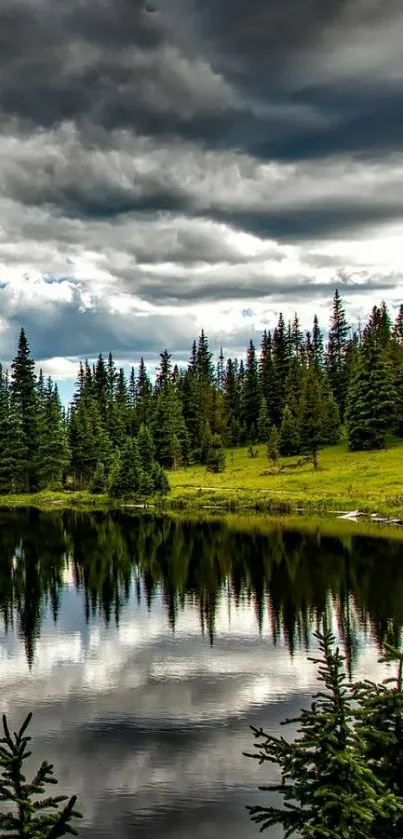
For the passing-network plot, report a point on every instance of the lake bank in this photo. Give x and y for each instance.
(367, 482)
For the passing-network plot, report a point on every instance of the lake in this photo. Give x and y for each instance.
(147, 646)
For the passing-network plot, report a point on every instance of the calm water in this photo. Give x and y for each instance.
(146, 647)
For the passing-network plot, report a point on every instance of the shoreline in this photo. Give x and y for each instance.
(209, 501)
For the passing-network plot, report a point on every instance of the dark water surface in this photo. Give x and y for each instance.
(146, 647)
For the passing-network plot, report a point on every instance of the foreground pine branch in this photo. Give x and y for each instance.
(341, 776)
(32, 815)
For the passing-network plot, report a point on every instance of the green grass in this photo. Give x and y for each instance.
(371, 482)
(368, 481)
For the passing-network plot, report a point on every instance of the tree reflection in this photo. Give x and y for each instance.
(291, 577)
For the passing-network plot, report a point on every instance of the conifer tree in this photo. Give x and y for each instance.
(31, 815)
(267, 377)
(12, 454)
(289, 439)
(250, 393)
(331, 430)
(23, 386)
(371, 402)
(231, 403)
(318, 353)
(311, 417)
(145, 445)
(53, 453)
(127, 474)
(215, 460)
(336, 353)
(380, 726)
(273, 445)
(263, 425)
(327, 786)
(281, 359)
(143, 395)
(398, 325)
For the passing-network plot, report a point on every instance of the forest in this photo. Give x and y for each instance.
(295, 393)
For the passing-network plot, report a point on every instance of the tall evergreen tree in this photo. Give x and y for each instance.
(251, 393)
(311, 417)
(371, 401)
(281, 359)
(53, 453)
(23, 386)
(289, 439)
(328, 788)
(336, 353)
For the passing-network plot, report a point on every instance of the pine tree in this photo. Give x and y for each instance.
(331, 430)
(281, 360)
(12, 453)
(371, 402)
(31, 815)
(272, 448)
(145, 445)
(318, 353)
(164, 372)
(380, 726)
(231, 403)
(127, 475)
(336, 353)
(267, 377)
(289, 439)
(53, 453)
(311, 417)
(263, 424)
(378, 330)
(326, 784)
(220, 370)
(23, 386)
(215, 460)
(398, 325)
(250, 393)
(143, 395)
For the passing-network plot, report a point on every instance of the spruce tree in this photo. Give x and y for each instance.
(251, 394)
(12, 454)
(272, 448)
(32, 815)
(328, 788)
(23, 386)
(281, 360)
(336, 353)
(127, 474)
(215, 460)
(318, 353)
(311, 417)
(267, 377)
(371, 402)
(289, 439)
(263, 424)
(53, 453)
(145, 445)
(380, 725)
(331, 430)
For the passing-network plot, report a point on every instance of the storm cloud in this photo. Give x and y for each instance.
(170, 165)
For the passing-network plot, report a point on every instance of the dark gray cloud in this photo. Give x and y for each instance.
(188, 153)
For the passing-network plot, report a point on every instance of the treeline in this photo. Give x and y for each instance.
(120, 433)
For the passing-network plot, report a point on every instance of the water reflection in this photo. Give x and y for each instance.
(145, 647)
(293, 577)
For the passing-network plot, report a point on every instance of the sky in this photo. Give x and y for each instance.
(172, 165)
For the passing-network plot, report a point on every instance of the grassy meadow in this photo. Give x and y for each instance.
(371, 482)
